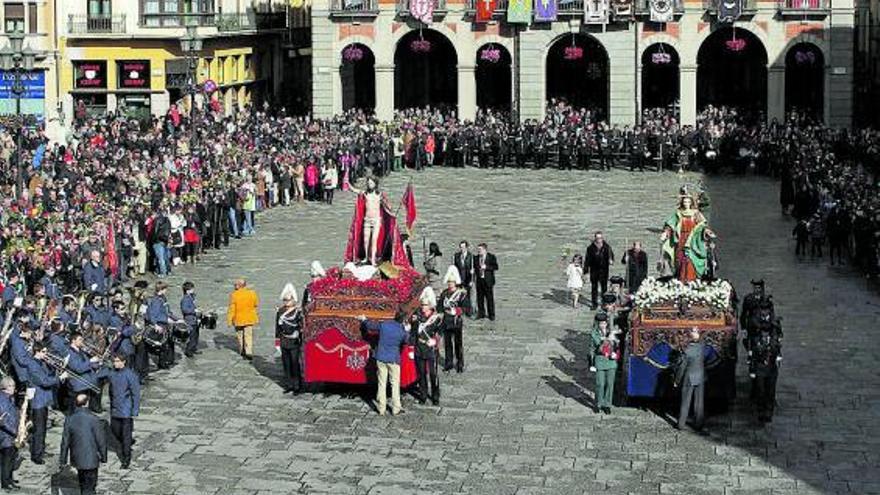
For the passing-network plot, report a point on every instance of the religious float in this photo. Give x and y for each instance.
(336, 349)
(665, 311)
(687, 295)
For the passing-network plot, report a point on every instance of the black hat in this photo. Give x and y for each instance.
(766, 304)
(758, 283)
(141, 284)
(601, 316)
(616, 279)
(609, 299)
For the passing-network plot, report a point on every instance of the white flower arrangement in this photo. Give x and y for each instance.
(653, 293)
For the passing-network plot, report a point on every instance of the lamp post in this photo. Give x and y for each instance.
(191, 45)
(17, 60)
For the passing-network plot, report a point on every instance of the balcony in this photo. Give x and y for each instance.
(642, 8)
(749, 8)
(354, 8)
(402, 7)
(803, 8)
(252, 21)
(500, 8)
(96, 24)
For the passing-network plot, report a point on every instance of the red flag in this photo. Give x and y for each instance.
(110, 248)
(409, 202)
(485, 10)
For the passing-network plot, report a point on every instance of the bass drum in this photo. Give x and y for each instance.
(208, 321)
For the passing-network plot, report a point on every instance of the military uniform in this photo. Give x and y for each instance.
(604, 354)
(8, 432)
(765, 354)
(188, 310)
(454, 304)
(424, 335)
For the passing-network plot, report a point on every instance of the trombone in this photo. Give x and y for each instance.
(60, 365)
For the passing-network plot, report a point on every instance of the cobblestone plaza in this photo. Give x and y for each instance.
(520, 420)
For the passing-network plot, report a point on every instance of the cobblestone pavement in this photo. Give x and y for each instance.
(520, 419)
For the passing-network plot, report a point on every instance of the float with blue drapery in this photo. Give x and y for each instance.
(665, 311)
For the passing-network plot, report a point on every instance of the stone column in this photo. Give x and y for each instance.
(384, 92)
(688, 94)
(776, 93)
(467, 92)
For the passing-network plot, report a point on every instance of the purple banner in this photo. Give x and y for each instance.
(545, 10)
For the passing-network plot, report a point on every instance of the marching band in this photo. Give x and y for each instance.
(59, 351)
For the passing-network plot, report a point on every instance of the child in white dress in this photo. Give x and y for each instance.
(575, 274)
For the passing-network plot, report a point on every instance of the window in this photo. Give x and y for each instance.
(13, 17)
(159, 13)
(99, 8)
(32, 18)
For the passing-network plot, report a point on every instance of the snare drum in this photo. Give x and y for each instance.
(155, 337)
(180, 331)
(208, 321)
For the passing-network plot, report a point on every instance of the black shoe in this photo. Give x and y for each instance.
(421, 401)
(436, 401)
(188, 354)
(606, 410)
(38, 462)
(447, 368)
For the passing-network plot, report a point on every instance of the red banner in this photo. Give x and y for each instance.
(409, 203)
(485, 10)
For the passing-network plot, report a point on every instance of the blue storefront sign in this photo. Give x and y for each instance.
(34, 83)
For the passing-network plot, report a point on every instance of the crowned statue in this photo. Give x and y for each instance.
(687, 240)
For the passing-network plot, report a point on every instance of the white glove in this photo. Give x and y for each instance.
(592, 369)
(94, 286)
(432, 342)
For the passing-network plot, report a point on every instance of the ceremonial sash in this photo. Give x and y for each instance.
(545, 10)
(519, 12)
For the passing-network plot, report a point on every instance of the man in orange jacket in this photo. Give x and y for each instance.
(242, 314)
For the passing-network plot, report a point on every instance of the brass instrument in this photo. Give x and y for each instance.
(7, 329)
(80, 305)
(42, 304)
(60, 366)
(24, 426)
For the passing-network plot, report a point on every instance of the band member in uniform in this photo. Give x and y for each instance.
(97, 312)
(288, 338)
(159, 314)
(455, 304)
(604, 354)
(424, 334)
(485, 266)
(189, 310)
(125, 401)
(84, 442)
(764, 346)
(8, 432)
(45, 384)
(67, 314)
(79, 363)
(121, 343)
(50, 288)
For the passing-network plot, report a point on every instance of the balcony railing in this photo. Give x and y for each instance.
(176, 20)
(252, 21)
(96, 24)
(500, 7)
(749, 7)
(403, 7)
(796, 7)
(643, 7)
(354, 8)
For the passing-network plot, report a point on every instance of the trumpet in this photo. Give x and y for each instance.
(60, 365)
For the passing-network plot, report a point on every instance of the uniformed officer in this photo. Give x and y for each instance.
(424, 334)
(604, 352)
(765, 355)
(288, 338)
(188, 310)
(125, 402)
(455, 303)
(45, 384)
(8, 432)
(752, 303)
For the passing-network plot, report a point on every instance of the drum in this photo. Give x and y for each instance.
(180, 331)
(155, 337)
(209, 320)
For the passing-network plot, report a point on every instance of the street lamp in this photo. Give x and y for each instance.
(191, 45)
(18, 60)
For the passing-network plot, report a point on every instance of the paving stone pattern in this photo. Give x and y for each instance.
(520, 419)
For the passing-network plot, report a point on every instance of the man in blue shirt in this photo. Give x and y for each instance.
(49, 286)
(159, 313)
(392, 336)
(188, 309)
(8, 432)
(87, 382)
(11, 290)
(125, 404)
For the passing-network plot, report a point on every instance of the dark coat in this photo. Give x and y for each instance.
(84, 440)
(597, 260)
(637, 268)
(488, 275)
(465, 265)
(691, 369)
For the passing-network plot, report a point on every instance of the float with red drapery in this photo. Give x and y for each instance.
(336, 349)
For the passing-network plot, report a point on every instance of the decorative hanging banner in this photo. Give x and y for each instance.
(729, 10)
(422, 10)
(661, 10)
(485, 10)
(519, 12)
(545, 10)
